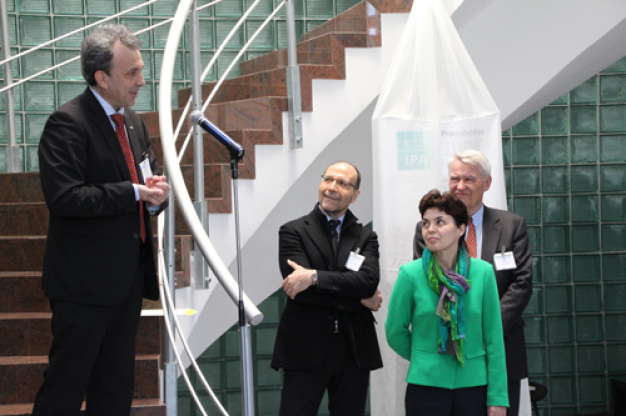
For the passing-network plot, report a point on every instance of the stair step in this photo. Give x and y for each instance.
(20, 377)
(141, 407)
(21, 254)
(22, 292)
(23, 218)
(20, 187)
(29, 334)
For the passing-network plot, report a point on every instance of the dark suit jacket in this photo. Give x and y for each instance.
(93, 244)
(306, 325)
(508, 230)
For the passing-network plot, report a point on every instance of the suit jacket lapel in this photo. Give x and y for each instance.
(103, 128)
(491, 235)
(318, 234)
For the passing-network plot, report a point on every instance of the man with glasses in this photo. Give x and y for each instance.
(326, 338)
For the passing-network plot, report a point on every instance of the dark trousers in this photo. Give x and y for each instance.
(514, 394)
(435, 401)
(347, 385)
(92, 356)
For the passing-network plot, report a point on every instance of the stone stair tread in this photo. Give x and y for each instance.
(43, 359)
(25, 409)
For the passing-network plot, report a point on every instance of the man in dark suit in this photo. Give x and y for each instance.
(97, 167)
(326, 337)
(500, 236)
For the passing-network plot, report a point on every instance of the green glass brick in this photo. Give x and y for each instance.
(584, 179)
(589, 328)
(615, 325)
(223, 29)
(35, 30)
(616, 357)
(562, 100)
(525, 181)
(268, 402)
(555, 209)
(536, 360)
(587, 268)
(3, 158)
(593, 390)
(613, 237)
(586, 93)
(160, 35)
(19, 137)
(506, 151)
(312, 24)
(232, 374)
(141, 11)
(534, 330)
(17, 99)
(591, 357)
(613, 148)
(537, 269)
(101, 7)
(231, 342)
(613, 267)
(319, 8)
(555, 180)
(37, 61)
(563, 390)
(262, 10)
(613, 207)
(612, 177)
(588, 298)
(271, 309)
(612, 89)
(584, 208)
(613, 118)
(233, 401)
(526, 151)
(34, 6)
(213, 373)
(67, 7)
(229, 8)
(508, 181)
(264, 339)
(223, 61)
(584, 149)
(139, 24)
(534, 236)
(148, 68)
(583, 119)
(215, 350)
(618, 66)
(69, 71)
(164, 8)
(535, 304)
(145, 101)
(585, 238)
(205, 29)
(178, 70)
(527, 127)
(554, 150)
(265, 375)
(34, 127)
(558, 300)
(554, 120)
(561, 360)
(560, 329)
(529, 208)
(614, 295)
(556, 239)
(39, 96)
(265, 39)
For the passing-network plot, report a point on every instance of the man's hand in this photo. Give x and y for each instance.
(299, 280)
(374, 302)
(496, 411)
(155, 191)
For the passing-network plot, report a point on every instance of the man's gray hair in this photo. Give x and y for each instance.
(473, 158)
(96, 52)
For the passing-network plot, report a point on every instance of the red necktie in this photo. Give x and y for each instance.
(130, 162)
(471, 239)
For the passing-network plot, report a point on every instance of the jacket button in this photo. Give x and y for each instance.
(136, 236)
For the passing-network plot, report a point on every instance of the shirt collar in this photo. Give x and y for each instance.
(477, 218)
(108, 108)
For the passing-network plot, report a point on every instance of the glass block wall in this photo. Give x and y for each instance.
(33, 22)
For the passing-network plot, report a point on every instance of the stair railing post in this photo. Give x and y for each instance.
(170, 365)
(13, 150)
(294, 93)
(200, 271)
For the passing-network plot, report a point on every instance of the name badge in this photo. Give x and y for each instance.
(504, 261)
(355, 260)
(146, 171)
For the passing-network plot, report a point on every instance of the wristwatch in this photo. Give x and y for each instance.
(314, 277)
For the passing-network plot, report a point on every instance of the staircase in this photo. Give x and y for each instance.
(250, 109)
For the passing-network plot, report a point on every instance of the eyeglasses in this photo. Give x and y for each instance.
(340, 182)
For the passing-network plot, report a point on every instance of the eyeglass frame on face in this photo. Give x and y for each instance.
(345, 185)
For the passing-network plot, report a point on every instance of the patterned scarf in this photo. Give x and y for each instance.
(451, 286)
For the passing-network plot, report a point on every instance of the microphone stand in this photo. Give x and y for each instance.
(245, 330)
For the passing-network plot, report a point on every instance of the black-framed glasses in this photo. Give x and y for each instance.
(340, 182)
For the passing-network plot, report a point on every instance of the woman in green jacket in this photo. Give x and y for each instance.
(444, 317)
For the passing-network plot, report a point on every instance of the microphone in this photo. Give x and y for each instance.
(235, 149)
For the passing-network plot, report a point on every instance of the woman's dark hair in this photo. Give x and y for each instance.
(447, 203)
